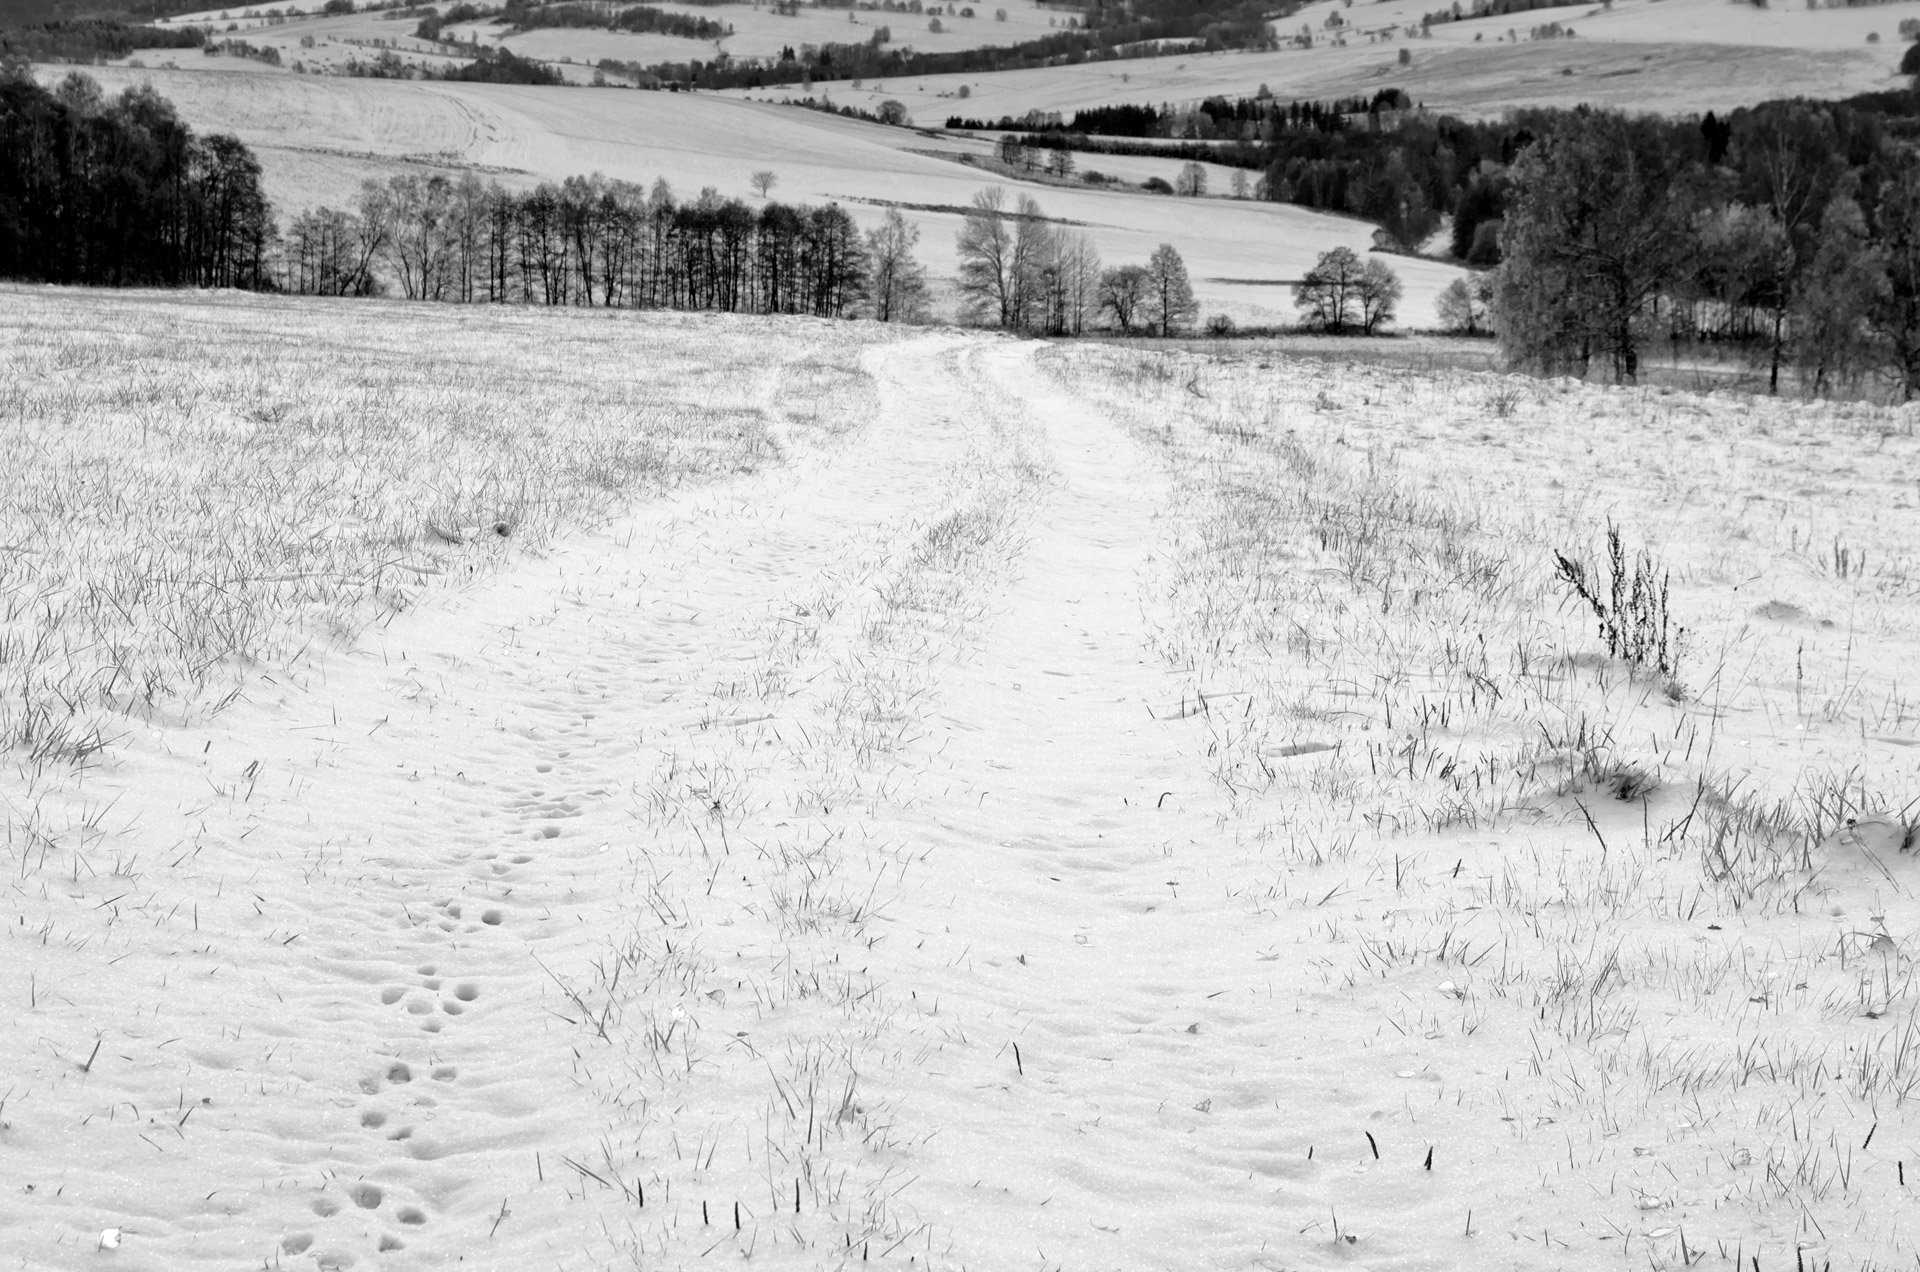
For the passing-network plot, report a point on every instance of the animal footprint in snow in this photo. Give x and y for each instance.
(366, 1196)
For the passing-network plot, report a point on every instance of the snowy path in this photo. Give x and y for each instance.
(693, 887)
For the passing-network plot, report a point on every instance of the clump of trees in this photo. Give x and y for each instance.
(1791, 233)
(1342, 293)
(488, 66)
(638, 18)
(120, 192)
(1021, 271)
(434, 23)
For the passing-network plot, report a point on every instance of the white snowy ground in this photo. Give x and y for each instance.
(962, 828)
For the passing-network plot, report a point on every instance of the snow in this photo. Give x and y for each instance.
(995, 801)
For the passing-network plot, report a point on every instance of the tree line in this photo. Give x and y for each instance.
(601, 242)
(120, 192)
(489, 65)
(1791, 233)
(91, 40)
(1217, 117)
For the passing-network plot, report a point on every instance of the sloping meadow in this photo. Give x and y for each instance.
(1571, 738)
(193, 493)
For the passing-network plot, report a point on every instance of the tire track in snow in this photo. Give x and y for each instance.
(1076, 901)
(418, 857)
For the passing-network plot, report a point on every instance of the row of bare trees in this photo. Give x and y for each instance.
(1021, 271)
(595, 241)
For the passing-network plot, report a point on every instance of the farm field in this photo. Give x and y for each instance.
(758, 32)
(574, 789)
(1473, 80)
(761, 32)
(1634, 21)
(317, 43)
(319, 137)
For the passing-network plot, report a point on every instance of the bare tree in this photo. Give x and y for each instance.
(1326, 294)
(1895, 311)
(1123, 292)
(1833, 344)
(1060, 163)
(1792, 158)
(1034, 249)
(1463, 305)
(1378, 295)
(374, 228)
(1076, 290)
(765, 179)
(1170, 305)
(898, 284)
(987, 279)
(1192, 181)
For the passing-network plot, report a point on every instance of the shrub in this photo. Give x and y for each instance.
(1156, 185)
(1910, 60)
(1633, 614)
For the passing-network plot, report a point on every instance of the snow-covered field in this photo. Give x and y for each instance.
(927, 800)
(758, 31)
(319, 137)
(1468, 79)
(1718, 22)
(763, 32)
